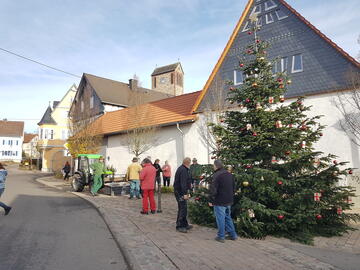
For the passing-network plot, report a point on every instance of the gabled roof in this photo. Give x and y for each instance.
(325, 63)
(119, 93)
(28, 137)
(47, 118)
(165, 69)
(11, 128)
(158, 113)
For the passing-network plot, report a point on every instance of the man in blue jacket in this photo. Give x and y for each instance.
(3, 174)
(222, 198)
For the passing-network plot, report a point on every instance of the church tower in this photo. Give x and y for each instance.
(168, 79)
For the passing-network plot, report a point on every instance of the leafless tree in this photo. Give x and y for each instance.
(142, 136)
(215, 106)
(348, 103)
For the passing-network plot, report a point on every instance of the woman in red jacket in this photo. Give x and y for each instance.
(147, 178)
(166, 169)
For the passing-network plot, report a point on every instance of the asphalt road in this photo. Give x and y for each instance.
(51, 230)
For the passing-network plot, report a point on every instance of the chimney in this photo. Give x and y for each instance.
(133, 84)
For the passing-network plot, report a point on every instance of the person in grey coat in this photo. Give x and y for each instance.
(3, 174)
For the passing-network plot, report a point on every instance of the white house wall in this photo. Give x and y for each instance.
(15, 148)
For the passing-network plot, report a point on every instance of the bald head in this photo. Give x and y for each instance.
(187, 162)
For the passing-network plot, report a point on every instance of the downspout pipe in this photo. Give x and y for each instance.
(182, 141)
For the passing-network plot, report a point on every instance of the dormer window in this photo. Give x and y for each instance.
(269, 18)
(269, 5)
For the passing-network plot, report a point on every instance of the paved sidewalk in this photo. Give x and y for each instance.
(151, 242)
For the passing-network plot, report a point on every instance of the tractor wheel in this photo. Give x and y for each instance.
(77, 184)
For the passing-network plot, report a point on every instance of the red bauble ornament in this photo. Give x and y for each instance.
(335, 162)
(213, 157)
(247, 100)
(318, 216)
(282, 99)
(222, 120)
(249, 33)
(254, 134)
(339, 210)
(279, 80)
(280, 183)
(317, 196)
(248, 166)
(249, 51)
(232, 88)
(303, 127)
(241, 65)
(299, 102)
(197, 199)
(350, 172)
(321, 134)
(257, 41)
(280, 217)
(287, 153)
(201, 177)
(281, 86)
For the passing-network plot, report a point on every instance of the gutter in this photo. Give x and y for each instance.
(182, 141)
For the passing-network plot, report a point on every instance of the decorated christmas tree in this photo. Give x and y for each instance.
(284, 187)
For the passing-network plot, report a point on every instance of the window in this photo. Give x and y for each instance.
(246, 27)
(51, 134)
(91, 102)
(82, 106)
(16, 153)
(269, 4)
(284, 64)
(238, 77)
(269, 18)
(64, 134)
(179, 79)
(297, 63)
(17, 142)
(154, 82)
(280, 14)
(10, 142)
(172, 78)
(257, 9)
(3, 142)
(259, 21)
(41, 133)
(46, 134)
(275, 67)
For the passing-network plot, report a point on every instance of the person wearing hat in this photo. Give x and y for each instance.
(98, 170)
(133, 175)
(195, 172)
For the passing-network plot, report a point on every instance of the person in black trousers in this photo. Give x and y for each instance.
(67, 169)
(158, 171)
(182, 185)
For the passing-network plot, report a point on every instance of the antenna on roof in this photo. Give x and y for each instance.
(178, 59)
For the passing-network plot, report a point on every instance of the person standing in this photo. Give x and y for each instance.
(98, 170)
(195, 171)
(182, 186)
(158, 171)
(133, 175)
(222, 192)
(67, 169)
(166, 169)
(147, 179)
(3, 175)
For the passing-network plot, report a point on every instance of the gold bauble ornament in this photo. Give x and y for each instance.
(245, 183)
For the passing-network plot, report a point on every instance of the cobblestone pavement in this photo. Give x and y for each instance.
(153, 243)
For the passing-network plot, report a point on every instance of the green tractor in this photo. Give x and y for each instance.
(82, 172)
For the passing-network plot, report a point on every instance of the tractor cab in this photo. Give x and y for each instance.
(83, 175)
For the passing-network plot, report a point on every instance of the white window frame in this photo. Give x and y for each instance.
(267, 18)
(259, 21)
(52, 134)
(278, 16)
(270, 7)
(46, 135)
(283, 67)
(91, 102)
(246, 27)
(254, 9)
(235, 79)
(293, 64)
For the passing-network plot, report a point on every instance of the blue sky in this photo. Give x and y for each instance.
(117, 38)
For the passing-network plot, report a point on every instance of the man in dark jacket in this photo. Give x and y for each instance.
(158, 171)
(182, 185)
(222, 197)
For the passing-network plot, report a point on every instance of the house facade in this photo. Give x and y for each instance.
(54, 131)
(11, 140)
(97, 96)
(30, 146)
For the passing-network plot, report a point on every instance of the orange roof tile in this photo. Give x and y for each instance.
(157, 113)
(28, 137)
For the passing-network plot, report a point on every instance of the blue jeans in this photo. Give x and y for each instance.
(3, 205)
(135, 188)
(224, 221)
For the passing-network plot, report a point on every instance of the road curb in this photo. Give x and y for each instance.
(128, 257)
